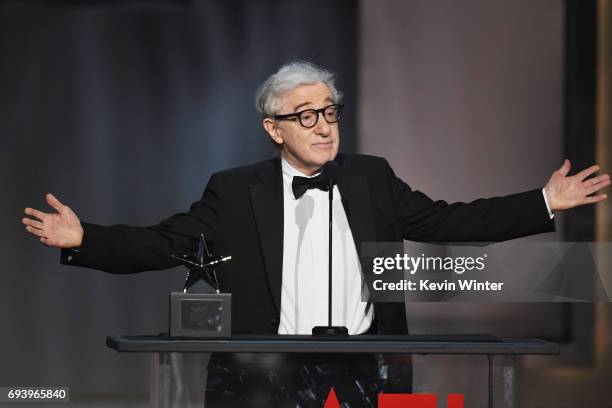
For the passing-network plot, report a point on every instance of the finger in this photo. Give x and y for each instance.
(598, 186)
(37, 214)
(32, 223)
(587, 172)
(45, 241)
(35, 231)
(595, 199)
(565, 168)
(55, 203)
(590, 182)
(598, 179)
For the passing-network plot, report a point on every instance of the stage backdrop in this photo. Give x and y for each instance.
(124, 110)
(465, 99)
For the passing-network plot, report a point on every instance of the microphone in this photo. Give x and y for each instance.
(330, 172)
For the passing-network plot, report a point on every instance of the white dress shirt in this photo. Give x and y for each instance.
(304, 292)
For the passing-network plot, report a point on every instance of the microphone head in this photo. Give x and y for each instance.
(330, 171)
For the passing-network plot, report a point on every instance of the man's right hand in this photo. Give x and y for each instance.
(61, 229)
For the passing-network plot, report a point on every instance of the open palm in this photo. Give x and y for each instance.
(564, 192)
(61, 229)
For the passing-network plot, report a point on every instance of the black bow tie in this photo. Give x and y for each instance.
(301, 184)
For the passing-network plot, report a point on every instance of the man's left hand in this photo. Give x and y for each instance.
(563, 191)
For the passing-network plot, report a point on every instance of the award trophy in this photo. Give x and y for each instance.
(200, 310)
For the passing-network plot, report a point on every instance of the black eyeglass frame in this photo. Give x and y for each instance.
(317, 111)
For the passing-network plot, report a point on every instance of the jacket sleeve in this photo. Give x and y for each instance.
(129, 249)
(483, 220)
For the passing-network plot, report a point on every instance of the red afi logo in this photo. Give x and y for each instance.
(404, 400)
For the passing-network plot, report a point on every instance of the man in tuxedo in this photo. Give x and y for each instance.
(272, 218)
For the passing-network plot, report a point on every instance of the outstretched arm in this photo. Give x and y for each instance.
(124, 248)
(497, 218)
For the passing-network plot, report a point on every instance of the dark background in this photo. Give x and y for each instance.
(124, 110)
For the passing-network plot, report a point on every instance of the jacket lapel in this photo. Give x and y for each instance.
(267, 201)
(355, 193)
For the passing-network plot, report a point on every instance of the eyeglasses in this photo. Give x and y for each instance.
(309, 117)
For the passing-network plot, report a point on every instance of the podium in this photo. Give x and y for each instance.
(178, 366)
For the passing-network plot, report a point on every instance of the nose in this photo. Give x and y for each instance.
(322, 127)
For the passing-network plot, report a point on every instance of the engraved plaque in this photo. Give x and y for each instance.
(200, 315)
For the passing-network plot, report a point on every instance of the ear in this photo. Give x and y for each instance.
(272, 130)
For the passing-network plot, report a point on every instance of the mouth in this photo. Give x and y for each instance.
(324, 145)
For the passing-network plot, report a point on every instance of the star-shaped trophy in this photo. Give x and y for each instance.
(202, 276)
(200, 310)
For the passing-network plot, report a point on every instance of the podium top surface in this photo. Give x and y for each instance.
(401, 344)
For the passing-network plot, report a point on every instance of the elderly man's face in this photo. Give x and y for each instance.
(306, 149)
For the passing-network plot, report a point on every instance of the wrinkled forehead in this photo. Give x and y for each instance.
(305, 96)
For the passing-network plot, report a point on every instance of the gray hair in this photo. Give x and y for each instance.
(288, 77)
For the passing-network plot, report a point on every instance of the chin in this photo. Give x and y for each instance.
(321, 160)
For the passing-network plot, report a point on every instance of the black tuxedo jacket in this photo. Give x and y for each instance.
(241, 214)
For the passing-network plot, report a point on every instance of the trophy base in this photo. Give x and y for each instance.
(197, 315)
(329, 331)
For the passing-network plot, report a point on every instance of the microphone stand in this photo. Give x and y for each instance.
(330, 330)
